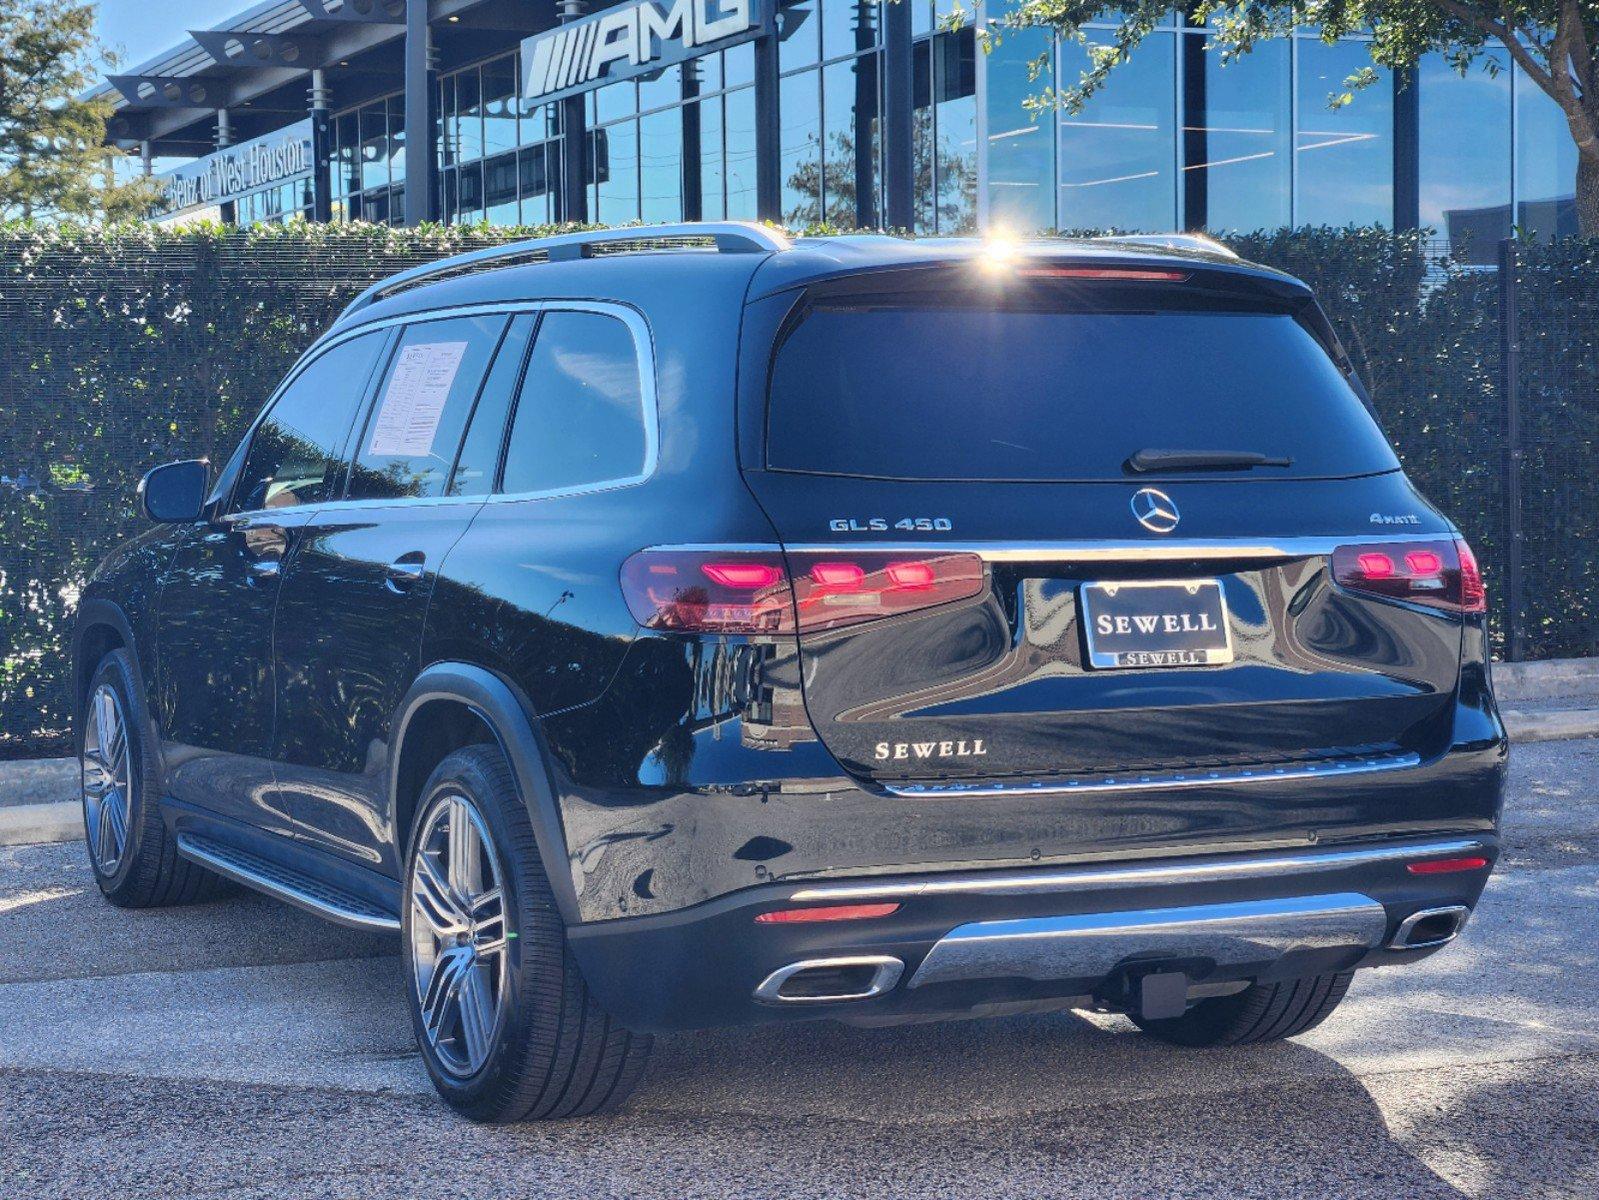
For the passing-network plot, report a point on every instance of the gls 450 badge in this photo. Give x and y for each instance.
(883, 525)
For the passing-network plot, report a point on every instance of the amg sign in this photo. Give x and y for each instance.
(632, 39)
(232, 172)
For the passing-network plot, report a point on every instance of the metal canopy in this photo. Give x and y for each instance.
(244, 49)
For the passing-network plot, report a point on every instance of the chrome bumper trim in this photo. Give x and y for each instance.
(1090, 947)
(1321, 769)
(1079, 879)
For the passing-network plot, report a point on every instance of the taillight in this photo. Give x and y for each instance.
(1441, 574)
(753, 591)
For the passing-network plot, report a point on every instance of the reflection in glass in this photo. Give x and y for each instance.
(499, 190)
(799, 35)
(1238, 139)
(396, 111)
(661, 166)
(1117, 163)
(848, 27)
(740, 168)
(850, 177)
(799, 148)
(499, 105)
(713, 161)
(1344, 157)
(1546, 164)
(468, 129)
(955, 98)
(1464, 167)
(1021, 153)
(374, 146)
(616, 192)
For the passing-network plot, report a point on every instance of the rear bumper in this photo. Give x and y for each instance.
(991, 940)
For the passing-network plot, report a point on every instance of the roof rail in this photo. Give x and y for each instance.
(725, 237)
(1172, 241)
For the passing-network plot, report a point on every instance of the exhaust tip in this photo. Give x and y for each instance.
(827, 980)
(1430, 927)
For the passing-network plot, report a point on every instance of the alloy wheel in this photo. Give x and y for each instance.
(459, 934)
(106, 778)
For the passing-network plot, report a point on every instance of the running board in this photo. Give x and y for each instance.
(285, 884)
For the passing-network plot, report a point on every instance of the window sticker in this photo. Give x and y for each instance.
(414, 400)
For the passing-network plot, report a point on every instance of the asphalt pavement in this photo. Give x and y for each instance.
(240, 1048)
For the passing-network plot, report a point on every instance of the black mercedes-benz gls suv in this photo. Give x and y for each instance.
(682, 626)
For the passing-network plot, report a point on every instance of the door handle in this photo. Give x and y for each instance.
(404, 571)
(264, 568)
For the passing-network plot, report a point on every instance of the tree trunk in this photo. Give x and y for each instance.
(1588, 195)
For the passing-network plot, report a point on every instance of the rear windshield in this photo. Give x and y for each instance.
(984, 394)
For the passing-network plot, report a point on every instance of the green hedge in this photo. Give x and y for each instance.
(122, 349)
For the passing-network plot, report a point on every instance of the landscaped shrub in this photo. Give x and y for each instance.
(123, 349)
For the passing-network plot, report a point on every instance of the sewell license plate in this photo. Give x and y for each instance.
(1180, 623)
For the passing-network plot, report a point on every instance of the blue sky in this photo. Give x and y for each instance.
(141, 29)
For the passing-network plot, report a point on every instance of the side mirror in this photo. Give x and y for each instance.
(175, 492)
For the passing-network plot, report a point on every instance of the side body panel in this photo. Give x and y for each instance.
(348, 638)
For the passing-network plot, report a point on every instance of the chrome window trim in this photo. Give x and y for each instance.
(644, 351)
(1074, 879)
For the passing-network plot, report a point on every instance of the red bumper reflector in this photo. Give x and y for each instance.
(1443, 866)
(839, 912)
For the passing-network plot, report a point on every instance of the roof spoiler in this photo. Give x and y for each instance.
(1172, 241)
(723, 237)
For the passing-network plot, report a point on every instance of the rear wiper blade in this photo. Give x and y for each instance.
(1143, 461)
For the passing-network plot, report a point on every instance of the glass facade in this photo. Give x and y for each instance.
(1174, 140)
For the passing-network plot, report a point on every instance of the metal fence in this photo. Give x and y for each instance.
(121, 351)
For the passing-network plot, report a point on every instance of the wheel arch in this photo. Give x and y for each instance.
(101, 628)
(454, 699)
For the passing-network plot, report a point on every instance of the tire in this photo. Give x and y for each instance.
(545, 1049)
(134, 856)
(1264, 1012)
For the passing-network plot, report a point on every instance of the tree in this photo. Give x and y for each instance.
(53, 158)
(1555, 42)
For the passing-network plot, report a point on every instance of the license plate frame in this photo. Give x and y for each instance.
(1202, 636)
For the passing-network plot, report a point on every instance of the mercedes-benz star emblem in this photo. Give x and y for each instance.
(1155, 510)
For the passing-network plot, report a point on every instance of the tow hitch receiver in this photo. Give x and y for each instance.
(1162, 995)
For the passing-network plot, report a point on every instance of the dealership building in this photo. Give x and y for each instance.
(850, 112)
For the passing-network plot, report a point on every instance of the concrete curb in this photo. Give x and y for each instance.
(1555, 725)
(25, 824)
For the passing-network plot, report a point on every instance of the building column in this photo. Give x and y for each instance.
(1407, 150)
(226, 210)
(421, 117)
(575, 170)
(899, 118)
(146, 166)
(1194, 142)
(768, 129)
(321, 149)
(693, 145)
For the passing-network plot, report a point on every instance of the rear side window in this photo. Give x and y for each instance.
(985, 394)
(295, 454)
(581, 419)
(414, 429)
